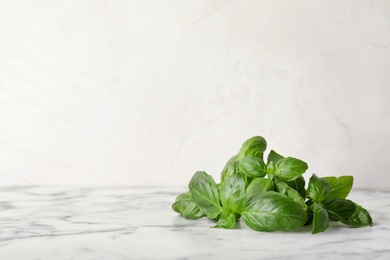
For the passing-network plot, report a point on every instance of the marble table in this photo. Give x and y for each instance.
(138, 223)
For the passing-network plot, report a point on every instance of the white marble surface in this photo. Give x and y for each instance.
(138, 223)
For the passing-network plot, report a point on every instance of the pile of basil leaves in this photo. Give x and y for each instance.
(271, 195)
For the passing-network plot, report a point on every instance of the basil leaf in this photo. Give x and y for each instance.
(339, 208)
(339, 187)
(320, 218)
(284, 189)
(298, 184)
(230, 168)
(258, 186)
(227, 220)
(318, 189)
(347, 212)
(271, 169)
(252, 166)
(274, 157)
(204, 193)
(254, 146)
(232, 192)
(289, 168)
(360, 217)
(271, 211)
(186, 206)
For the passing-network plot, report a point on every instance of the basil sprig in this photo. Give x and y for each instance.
(270, 195)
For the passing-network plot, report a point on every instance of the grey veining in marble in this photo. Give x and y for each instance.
(138, 223)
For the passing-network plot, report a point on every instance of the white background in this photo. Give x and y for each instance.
(147, 92)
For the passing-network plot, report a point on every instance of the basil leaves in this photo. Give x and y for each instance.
(204, 193)
(187, 207)
(272, 211)
(270, 195)
(232, 193)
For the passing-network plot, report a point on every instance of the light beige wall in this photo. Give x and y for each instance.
(148, 92)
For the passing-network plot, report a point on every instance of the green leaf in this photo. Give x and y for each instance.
(252, 166)
(227, 220)
(339, 208)
(320, 218)
(359, 218)
(254, 146)
(318, 189)
(271, 169)
(339, 187)
(298, 184)
(289, 168)
(204, 193)
(230, 168)
(284, 189)
(258, 186)
(232, 193)
(347, 212)
(271, 211)
(274, 157)
(187, 207)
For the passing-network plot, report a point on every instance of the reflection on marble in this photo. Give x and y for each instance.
(138, 223)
